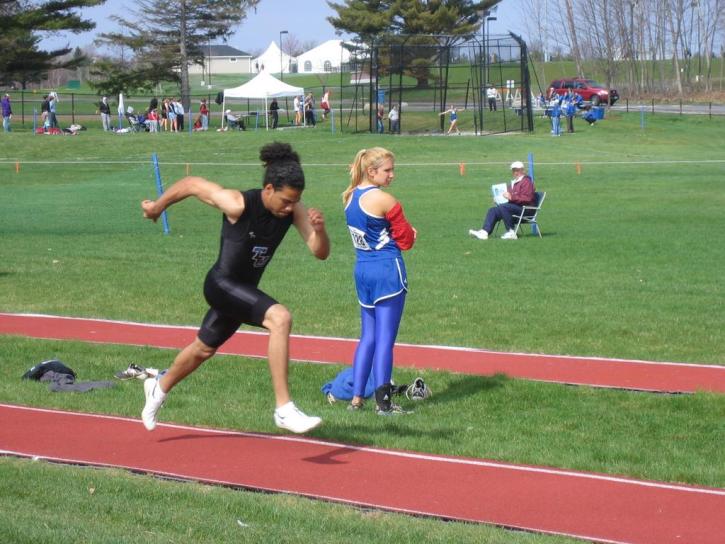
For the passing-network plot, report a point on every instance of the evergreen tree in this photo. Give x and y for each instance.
(166, 36)
(21, 59)
(424, 27)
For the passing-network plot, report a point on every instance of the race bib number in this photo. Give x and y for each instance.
(358, 239)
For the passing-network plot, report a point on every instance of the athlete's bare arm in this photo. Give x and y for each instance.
(229, 201)
(311, 225)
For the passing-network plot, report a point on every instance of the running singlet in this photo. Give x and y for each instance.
(371, 235)
(249, 244)
(454, 116)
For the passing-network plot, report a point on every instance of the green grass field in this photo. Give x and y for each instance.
(630, 266)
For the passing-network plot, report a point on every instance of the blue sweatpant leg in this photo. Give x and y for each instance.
(377, 338)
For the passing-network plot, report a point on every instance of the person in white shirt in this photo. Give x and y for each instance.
(491, 94)
(298, 111)
(179, 108)
(394, 118)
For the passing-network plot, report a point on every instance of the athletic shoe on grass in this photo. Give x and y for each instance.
(384, 404)
(136, 371)
(291, 418)
(418, 390)
(392, 410)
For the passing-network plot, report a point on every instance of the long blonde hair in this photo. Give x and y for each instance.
(365, 158)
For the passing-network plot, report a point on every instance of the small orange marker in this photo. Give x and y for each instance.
(188, 168)
(17, 167)
(462, 168)
(578, 168)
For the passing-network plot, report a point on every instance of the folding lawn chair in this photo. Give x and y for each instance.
(134, 123)
(529, 215)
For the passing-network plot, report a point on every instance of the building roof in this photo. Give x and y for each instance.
(223, 51)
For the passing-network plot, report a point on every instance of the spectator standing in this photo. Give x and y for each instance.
(204, 114)
(310, 110)
(555, 113)
(274, 112)
(7, 113)
(179, 109)
(491, 94)
(165, 114)
(298, 105)
(520, 193)
(325, 104)
(152, 120)
(44, 111)
(171, 113)
(52, 109)
(105, 109)
(570, 105)
(394, 118)
(379, 116)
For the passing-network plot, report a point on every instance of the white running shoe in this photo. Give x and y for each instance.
(510, 235)
(480, 234)
(154, 400)
(293, 419)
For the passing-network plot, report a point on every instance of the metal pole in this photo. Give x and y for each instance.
(281, 56)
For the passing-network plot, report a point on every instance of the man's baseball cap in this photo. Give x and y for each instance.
(517, 165)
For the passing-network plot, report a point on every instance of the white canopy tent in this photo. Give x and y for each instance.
(262, 87)
(326, 57)
(272, 60)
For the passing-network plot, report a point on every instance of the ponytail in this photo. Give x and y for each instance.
(364, 159)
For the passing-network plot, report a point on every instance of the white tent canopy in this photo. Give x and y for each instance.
(326, 57)
(272, 60)
(262, 87)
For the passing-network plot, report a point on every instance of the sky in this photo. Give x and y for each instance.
(306, 20)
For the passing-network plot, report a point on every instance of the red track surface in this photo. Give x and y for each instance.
(617, 373)
(591, 506)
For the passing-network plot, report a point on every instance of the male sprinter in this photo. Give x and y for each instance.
(254, 224)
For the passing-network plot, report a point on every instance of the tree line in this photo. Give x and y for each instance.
(645, 45)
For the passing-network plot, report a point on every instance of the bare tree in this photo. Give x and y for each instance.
(675, 22)
(576, 53)
(292, 45)
(711, 16)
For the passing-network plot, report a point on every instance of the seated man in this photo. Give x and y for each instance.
(234, 122)
(520, 193)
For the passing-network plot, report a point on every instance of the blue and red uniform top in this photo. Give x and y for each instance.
(379, 269)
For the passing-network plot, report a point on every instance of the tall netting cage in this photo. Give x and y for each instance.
(424, 76)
